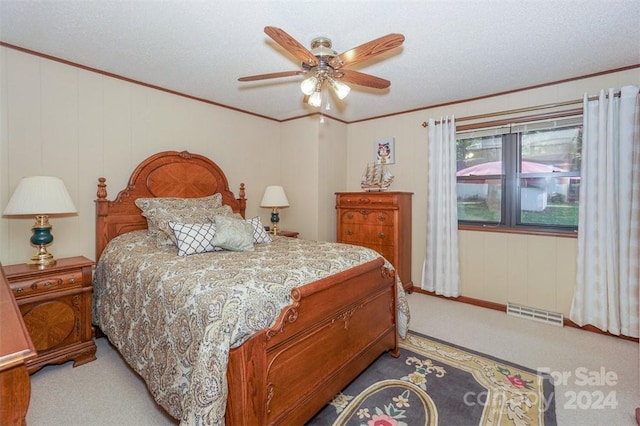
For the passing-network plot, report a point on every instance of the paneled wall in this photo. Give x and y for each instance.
(535, 271)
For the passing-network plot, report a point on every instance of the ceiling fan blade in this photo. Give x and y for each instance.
(361, 79)
(271, 75)
(367, 50)
(291, 45)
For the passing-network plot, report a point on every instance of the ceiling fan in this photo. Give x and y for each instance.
(325, 65)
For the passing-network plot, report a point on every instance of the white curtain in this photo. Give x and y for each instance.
(606, 293)
(440, 272)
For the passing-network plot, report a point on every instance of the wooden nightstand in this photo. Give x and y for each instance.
(290, 234)
(55, 303)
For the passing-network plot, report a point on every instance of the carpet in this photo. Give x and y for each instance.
(435, 382)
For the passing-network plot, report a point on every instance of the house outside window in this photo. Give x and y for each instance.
(520, 176)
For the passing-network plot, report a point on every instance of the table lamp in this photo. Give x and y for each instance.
(40, 196)
(274, 198)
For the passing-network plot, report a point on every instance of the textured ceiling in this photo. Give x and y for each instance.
(454, 50)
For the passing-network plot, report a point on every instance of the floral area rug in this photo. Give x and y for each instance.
(434, 382)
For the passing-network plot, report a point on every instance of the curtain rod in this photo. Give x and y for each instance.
(521, 110)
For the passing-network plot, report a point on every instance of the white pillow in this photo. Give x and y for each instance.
(233, 234)
(260, 236)
(194, 238)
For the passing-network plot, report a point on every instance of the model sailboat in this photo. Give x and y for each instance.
(376, 177)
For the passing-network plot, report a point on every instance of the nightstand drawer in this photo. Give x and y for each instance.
(31, 287)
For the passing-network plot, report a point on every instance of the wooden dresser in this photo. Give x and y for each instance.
(55, 303)
(16, 349)
(380, 221)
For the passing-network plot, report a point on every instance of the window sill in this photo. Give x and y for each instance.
(522, 231)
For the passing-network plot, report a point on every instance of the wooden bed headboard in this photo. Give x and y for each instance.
(165, 174)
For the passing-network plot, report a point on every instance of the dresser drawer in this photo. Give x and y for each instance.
(367, 234)
(367, 217)
(40, 285)
(385, 251)
(365, 199)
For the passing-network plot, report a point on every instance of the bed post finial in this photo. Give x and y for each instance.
(241, 200)
(102, 189)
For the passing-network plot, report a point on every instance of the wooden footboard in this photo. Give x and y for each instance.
(333, 331)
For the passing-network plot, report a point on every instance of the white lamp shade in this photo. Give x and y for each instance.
(308, 85)
(315, 99)
(274, 196)
(341, 89)
(38, 195)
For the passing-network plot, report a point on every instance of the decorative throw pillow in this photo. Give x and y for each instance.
(260, 236)
(160, 211)
(212, 201)
(194, 238)
(233, 234)
(148, 206)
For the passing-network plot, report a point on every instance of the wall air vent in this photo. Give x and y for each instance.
(535, 314)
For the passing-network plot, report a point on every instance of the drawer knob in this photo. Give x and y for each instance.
(72, 280)
(381, 235)
(350, 216)
(47, 284)
(382, 218)
(19, 290)
(349, 232)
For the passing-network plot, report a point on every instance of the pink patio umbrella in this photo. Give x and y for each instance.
(495, 168)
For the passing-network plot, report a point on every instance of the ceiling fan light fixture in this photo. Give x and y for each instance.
(315, 100)
(341, 89)
(308, 85)
(322, 63)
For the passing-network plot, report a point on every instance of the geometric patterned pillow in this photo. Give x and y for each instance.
(260, 236)
(194, 238)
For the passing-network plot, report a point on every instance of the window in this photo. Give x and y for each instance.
(520, 176)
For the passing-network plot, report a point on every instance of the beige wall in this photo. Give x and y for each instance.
(78, 125)
(313, 169)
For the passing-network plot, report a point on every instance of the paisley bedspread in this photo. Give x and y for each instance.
(174, 318)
